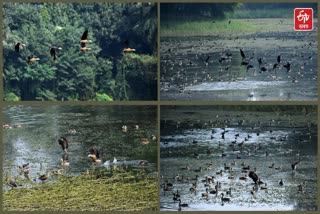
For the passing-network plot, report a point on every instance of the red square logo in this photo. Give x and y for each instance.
(303, 19)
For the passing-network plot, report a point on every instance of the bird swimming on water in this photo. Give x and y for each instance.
(94, 154)
(44, 176)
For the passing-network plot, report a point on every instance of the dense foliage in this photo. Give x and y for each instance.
(102, 73)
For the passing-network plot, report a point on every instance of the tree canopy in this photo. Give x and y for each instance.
(104, 72)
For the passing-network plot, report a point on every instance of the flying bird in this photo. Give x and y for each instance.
(287, 66)
(53, 52)
(83, 47)
(18, 46)
(127, 49)
(32, 59)
(254, 176)
(242, 54)
(84, 37)
(63, 142)
(279, 59)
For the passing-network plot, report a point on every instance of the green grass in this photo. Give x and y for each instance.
(206, 27)
(121, 192)
(262, 13)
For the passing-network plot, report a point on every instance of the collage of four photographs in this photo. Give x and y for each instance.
(87, 150)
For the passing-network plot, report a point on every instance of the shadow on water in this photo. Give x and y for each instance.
(266, 141)
(32, 134)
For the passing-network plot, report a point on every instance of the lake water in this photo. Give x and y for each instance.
(36, 141)
(272, 141)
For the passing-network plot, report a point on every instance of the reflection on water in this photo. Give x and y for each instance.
(31, 136)
(266, 140)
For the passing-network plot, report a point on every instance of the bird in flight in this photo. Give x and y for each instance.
(32, 59)
(84, 37)
(83, 47)
(18, 46)
(53, 52)
(127, 49)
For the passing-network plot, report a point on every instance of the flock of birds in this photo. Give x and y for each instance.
(183, 66)
(54, 49)
(93, 152)
(193, 181)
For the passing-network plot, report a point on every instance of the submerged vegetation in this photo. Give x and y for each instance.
(104, 72)
(98, 191)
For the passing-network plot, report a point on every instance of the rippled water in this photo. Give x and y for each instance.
(192, 138)
(185, 76)
(36, 141)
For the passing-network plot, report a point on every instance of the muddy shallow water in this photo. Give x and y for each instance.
(35, 130)
(191, 138)
(186, 76)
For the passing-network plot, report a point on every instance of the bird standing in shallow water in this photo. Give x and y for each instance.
(44, 176)
(24, 167)
(64, 160)
(94, 154)
(182, 205)
(11, 183)
(223, 199)
(281, 183)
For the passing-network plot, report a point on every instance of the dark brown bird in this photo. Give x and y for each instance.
(279, 59)
(182, 205)
(254, 176)
(84, 37)
(242, 54)
(18, 46)
(94, 154)
(44, 176)
(287, 66)
(63, 142)
(53, 52)
(223, 199)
